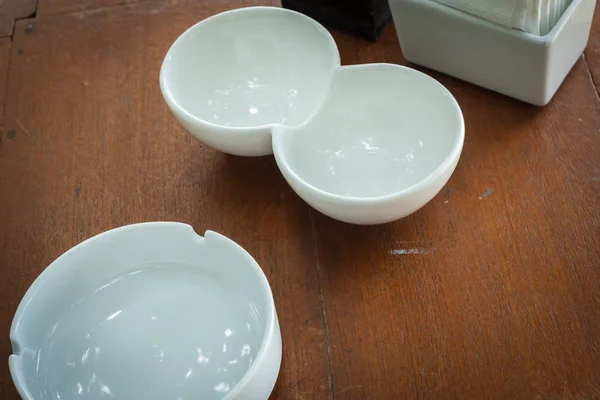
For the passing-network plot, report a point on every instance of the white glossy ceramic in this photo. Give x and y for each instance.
(148, 311)
(232, 77)
(515, 63)
(376, 157)
(365, 144)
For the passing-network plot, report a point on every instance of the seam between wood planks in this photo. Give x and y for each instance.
(591, 76)
(323, 314)
(5, 78)
(9, 8)
(69, 11)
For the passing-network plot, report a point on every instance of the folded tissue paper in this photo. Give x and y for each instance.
(537, 17)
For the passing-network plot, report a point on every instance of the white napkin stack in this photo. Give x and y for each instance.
(537, 17)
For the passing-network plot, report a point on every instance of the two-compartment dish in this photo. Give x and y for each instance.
(364, 144)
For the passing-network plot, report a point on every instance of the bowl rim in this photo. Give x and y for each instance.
(58, 265)
(333, 198)
(184, 114)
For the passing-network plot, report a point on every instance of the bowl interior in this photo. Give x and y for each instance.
(251, 67)
(186, 321)
(383, 129)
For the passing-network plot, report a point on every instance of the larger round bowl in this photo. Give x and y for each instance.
(149, 311)
(383, 145)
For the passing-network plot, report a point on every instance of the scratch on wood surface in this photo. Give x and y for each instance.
(591, 77)
(487, 193)
(401, 252)
(349, 388)
(315, 331)
(323, 314)
(562, 104)
(20, 125)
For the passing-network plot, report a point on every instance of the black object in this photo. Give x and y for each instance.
(364, 18)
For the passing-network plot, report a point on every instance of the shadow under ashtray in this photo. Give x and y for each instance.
(364, 144)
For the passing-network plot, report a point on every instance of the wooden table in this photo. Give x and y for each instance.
(492, 290)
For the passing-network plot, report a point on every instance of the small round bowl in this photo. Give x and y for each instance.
(232, 77)
(149, 311)
(383, 145)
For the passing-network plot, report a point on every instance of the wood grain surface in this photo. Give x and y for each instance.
(68, 6)
(492, 290)
(5, 44)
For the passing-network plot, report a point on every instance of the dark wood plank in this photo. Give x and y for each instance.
(5, 44)
(592, 52)
(95, 147)
(49, 7)
(493, 289)
(11, 10)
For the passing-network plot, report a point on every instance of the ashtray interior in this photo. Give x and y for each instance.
(383, 129)
(184, 320)
(250, 67)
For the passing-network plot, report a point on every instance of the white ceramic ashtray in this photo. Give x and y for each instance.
(515, 63)
(149, 311)
(363, 144)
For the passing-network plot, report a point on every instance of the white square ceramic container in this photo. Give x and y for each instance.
(515, 63)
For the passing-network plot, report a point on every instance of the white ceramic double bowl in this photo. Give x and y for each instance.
(149, 311)
(364, 144)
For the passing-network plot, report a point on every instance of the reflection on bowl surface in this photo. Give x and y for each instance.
(195, 337)
(383, 129)
(251, 67)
